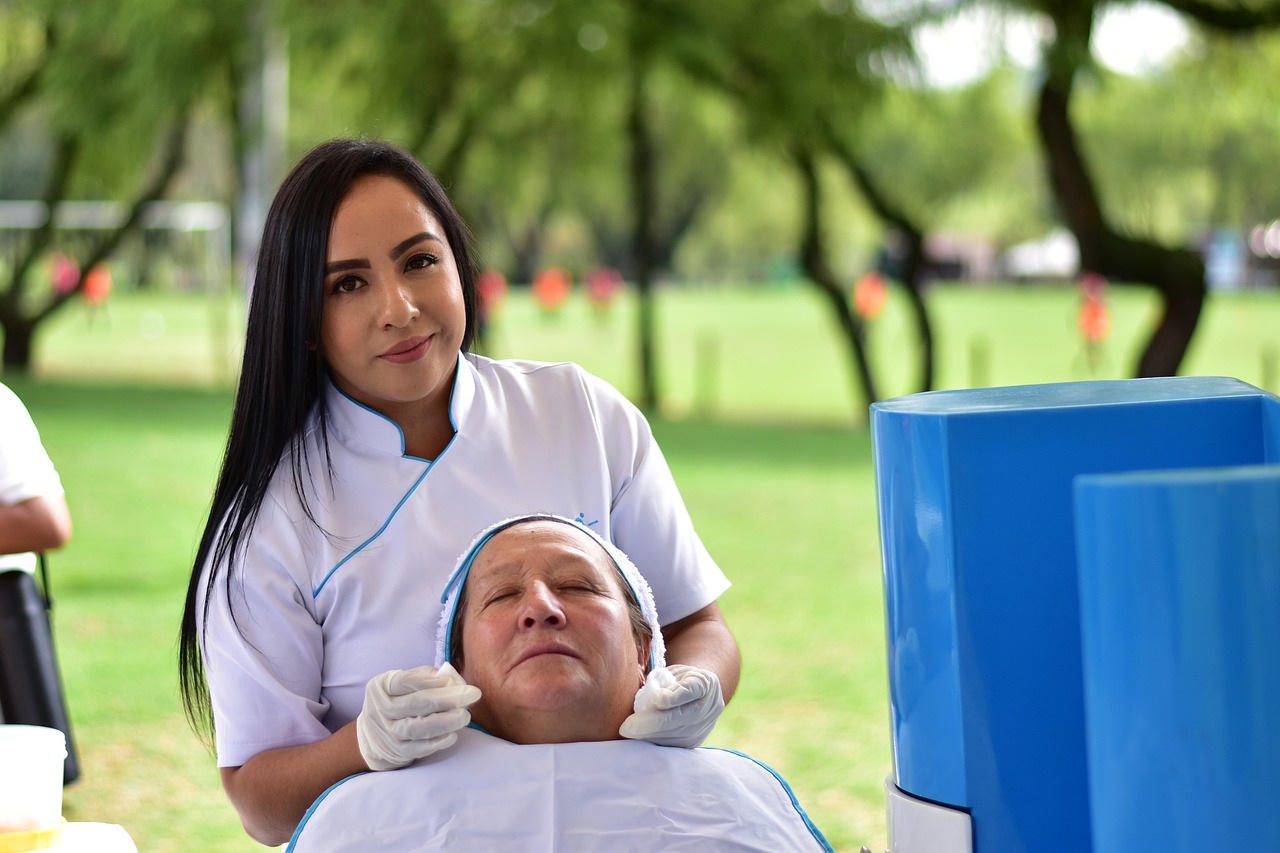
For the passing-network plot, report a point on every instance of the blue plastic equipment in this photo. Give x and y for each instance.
(982, 601)
(1180, 622)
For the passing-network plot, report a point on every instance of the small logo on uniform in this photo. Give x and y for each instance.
(581, 519)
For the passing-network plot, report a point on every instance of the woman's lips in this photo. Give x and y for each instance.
(408, 350)
(546, 649)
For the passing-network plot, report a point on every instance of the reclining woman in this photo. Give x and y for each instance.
(558, 631)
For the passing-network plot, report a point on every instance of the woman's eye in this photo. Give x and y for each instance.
(346, 284)
(421, 261)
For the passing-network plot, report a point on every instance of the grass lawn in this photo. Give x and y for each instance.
(760, 425)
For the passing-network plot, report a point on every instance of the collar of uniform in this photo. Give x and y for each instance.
(356, 422)
(464, 389)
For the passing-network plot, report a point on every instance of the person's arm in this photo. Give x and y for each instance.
(273, 790)
(703, 639)
(38, 524)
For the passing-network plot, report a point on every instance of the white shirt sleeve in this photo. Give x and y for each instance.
(649, 520)
(25, 468)
(264, 651)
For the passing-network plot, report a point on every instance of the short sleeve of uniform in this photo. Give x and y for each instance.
(25, 468)
(649, 520)
(264, 649)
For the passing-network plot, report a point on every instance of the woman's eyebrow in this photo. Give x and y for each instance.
(339, 266)
(403, 245)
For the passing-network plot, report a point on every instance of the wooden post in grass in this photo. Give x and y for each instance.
(706, 372)
(979, 362)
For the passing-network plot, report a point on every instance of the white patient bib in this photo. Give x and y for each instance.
(487, 794)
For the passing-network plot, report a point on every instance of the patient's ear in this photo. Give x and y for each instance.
(642, 658)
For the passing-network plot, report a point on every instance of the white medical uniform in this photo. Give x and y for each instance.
(486, 794)
(26, 471)
(321, 607)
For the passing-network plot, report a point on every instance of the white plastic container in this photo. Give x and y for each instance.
(31, 759)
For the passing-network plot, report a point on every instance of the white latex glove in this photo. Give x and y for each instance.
(677, 706)
(410, 713)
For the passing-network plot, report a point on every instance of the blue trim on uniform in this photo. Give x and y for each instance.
(430, 463)
(817, 833)
(453, 422)
(378, 533)
(293, 841)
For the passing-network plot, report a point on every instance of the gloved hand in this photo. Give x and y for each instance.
(411, 713)
(677, 706)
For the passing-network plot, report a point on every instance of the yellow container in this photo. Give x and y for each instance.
(36, 839)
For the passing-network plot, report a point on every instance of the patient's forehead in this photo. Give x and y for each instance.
(539, 543)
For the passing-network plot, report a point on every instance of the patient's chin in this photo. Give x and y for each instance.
(552, 687)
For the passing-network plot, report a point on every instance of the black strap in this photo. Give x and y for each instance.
(44, 582)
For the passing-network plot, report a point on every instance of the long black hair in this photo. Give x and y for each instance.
(283, 373)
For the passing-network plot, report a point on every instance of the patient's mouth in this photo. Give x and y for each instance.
(546, 649)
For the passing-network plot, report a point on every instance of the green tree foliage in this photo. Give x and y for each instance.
(960, 159)
(527, 111)
(1155, 173)
(646, 134)
(109, 102)
(1192, 147)
(1107, 246)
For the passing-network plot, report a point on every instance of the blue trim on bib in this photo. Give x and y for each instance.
(293, 840)
(817, 833)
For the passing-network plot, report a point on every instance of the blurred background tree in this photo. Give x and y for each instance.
(734, 142)
(1177, 272)
(96, 107)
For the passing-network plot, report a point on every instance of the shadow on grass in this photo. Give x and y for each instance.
(180, 407)
(765, 445)
(124, 404)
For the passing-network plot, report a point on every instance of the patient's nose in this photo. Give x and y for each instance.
(540, 607)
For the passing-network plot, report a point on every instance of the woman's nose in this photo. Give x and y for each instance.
(539, 607)
(399, 306)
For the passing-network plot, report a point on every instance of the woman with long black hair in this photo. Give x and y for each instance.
(367, 445)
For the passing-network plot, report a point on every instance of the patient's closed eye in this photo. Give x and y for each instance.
(578, 583)
(499, 595)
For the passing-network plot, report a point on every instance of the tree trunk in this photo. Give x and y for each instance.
(18, 338)
(174, 149)
(1177, 274)
(813, 258)
(613, 244)
(671, 232)
(63, 163)
(643, 197)
(20, 326)
(525, 251)
(911, 272)
(912, 267)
